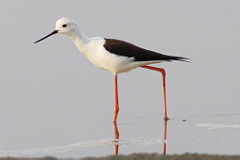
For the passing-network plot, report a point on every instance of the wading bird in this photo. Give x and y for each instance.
(113, 55)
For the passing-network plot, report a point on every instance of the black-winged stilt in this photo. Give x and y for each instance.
(113, 55)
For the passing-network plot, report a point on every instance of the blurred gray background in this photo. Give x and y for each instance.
(52, 96)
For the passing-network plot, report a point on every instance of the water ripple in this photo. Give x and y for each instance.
(65, 148)
(217, 125)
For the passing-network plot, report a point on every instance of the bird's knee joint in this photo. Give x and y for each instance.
(116, 110)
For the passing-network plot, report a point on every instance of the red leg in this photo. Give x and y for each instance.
(163, 88)
(116, 106)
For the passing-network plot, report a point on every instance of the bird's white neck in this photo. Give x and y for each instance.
(79, 39)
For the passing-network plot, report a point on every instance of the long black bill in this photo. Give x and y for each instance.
(54, 32)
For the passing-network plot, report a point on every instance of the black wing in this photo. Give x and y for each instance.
(126, 49)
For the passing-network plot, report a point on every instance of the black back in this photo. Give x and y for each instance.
(126, 49)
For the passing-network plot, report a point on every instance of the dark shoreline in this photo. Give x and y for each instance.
(142, 156)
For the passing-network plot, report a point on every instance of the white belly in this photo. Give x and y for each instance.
(111, 62)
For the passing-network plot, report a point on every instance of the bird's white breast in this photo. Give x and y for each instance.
(98, 55)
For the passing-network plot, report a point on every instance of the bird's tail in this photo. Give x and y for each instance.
(175, 58)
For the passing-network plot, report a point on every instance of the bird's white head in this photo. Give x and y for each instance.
(64, 25)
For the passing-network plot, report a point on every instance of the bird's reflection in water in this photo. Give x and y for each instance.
(116, 138)
(164, 145)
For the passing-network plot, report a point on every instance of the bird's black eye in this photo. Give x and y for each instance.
(64, 25)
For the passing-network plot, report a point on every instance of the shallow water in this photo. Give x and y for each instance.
(214, 134)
